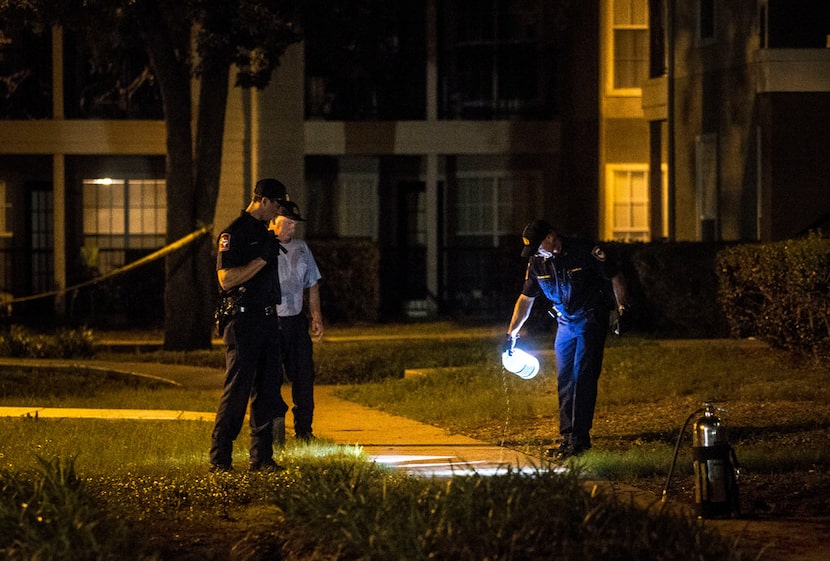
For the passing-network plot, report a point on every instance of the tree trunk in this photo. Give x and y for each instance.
(186, 323)
(193, 172)
(191, 286)
(210, 130)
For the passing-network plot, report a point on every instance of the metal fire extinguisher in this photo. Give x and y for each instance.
(715, 465)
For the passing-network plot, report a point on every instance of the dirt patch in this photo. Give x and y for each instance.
(784, 515)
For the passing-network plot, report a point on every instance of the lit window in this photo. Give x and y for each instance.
(628, 203)
(630, 44)
(122, 215)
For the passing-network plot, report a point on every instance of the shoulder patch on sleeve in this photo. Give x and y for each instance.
(224, 241)
(598, 253)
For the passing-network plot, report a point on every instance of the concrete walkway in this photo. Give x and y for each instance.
(388, 439)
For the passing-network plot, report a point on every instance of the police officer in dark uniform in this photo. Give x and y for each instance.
(246, 267)
(583, 285)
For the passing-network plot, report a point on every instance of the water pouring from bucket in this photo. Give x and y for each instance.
(520, 363)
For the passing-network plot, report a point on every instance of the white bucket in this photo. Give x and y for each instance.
(520, 363)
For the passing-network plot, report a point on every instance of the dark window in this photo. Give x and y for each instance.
(118, 86)
(797, 24)
(367, 67)
(658, 52)
(25, 76)
(707, 19)
(41, 238)
(496, 59)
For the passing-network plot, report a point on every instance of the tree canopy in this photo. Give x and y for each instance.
(183, 40)
(196, 44)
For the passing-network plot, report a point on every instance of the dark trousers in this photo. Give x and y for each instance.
(579, 347)
(298, 361)
(253, 374)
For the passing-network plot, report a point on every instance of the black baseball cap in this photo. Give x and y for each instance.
(289, 209)
(532, 236)
(271, 189)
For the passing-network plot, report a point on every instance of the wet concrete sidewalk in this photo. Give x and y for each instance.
(388, 439)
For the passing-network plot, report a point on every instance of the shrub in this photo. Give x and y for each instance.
(673, 288)
(75, 343)
(779, 293)
(350, 287)
(20, 342)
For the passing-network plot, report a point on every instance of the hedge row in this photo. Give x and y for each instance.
(673, 288)
(20, 342)
(351, 272)
(778, 292)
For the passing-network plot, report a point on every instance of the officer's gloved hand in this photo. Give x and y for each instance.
(271, 248)
(622, 320)
(509, 344)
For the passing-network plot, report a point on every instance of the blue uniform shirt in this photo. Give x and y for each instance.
(240, 243)
(576, 280)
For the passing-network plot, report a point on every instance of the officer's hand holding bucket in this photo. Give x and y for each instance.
(517, 361)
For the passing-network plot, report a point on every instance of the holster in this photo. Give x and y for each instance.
(225, 310)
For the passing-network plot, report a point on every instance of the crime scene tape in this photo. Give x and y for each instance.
(170, 248)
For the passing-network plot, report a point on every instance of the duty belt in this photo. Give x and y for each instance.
(267, 310)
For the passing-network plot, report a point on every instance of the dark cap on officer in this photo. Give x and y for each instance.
(532, 236)
(271, 189)
(289, 209)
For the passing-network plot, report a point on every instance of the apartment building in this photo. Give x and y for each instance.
(738, 101)
(466, 121)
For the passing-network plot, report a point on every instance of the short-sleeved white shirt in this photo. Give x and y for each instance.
(298, 271)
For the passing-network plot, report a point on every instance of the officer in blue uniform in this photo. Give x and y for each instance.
(246, 266)
(583, 285)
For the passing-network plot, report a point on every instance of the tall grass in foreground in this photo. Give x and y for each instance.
(47, 514)
(341, 507)
(371, 515)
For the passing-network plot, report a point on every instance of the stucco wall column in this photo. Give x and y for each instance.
(278, 127)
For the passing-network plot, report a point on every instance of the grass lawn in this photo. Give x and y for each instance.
(777, 412)
(91, 489)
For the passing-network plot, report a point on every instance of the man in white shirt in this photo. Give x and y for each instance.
(298, 273)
